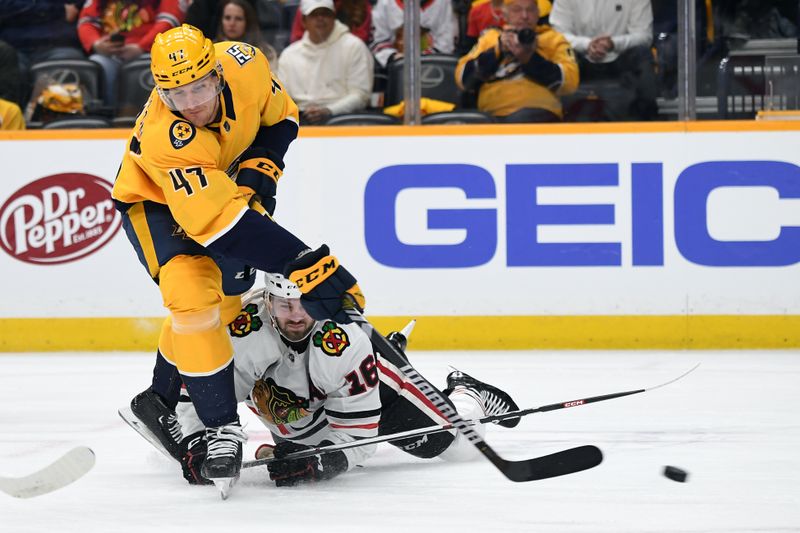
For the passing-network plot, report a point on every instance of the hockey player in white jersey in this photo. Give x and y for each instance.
(316, 383)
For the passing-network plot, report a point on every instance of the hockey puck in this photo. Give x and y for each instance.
(676, 474)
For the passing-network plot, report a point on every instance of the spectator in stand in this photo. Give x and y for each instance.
(10, 80)
(436, 18)
(329, 71)
(239, 22)
(206, 15)
(743, 20)
(10, 116)
(521, 70)
(117, 31)
(612, 39)
(355, 14)
(39, 30)
(489, 14)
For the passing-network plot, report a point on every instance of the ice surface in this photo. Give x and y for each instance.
(733, 424)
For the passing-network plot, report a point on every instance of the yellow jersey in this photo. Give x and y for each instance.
(11, 116)
(509, 89)
(192, 170)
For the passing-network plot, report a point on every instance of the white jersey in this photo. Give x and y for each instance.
(435, 15)
(327, 392)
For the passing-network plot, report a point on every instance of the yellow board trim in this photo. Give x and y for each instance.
(566, 128)
(453, 333)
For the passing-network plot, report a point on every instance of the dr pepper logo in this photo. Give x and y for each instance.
(58, 219)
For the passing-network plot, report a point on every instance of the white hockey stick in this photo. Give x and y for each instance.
(66, 469)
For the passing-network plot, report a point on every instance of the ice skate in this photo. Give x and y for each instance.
(162, 421)
(224, 459)
(495, 401)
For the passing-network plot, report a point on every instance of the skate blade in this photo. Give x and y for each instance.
(224, 485)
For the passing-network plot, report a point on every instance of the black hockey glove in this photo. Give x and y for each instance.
(259, 170)
(290, 472)
(324, 284)
(193, 449)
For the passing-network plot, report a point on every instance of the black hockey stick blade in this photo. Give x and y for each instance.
(544, 467)
(556, 464)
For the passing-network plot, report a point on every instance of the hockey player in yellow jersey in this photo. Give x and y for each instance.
(197, 189)
(520, 70)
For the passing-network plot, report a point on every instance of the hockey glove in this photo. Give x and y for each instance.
(324, 284)
(259, 170)
(290, 472)
(193, 448)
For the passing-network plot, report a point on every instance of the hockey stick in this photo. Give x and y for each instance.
(446, 427)
(556, 464)
(63, 471)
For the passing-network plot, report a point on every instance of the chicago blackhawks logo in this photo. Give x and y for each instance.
(181, 133)
(246, 321)
(277, 404)
(332, 339)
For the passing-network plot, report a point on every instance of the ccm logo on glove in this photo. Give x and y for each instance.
(309, 278)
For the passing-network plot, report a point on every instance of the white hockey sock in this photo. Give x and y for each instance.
(469, 406)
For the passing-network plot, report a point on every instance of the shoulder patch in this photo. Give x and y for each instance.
(181, 133)
(246, 322)
(241, 52)
(332, 339)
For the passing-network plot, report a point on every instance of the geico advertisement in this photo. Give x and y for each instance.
(657, 223)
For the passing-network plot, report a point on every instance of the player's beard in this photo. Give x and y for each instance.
(295, 330)
(203, 114)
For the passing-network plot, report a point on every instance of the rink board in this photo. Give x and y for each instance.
(665, 235)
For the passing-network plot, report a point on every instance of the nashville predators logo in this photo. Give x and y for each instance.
(178, 231)
(332, 339)
(181, 133)
(246, 321)
(277, 404)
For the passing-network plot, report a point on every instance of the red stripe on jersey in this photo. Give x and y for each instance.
(360, 426)
(411, 388)
(390, 374)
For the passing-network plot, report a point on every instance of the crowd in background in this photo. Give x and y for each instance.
(335, 57)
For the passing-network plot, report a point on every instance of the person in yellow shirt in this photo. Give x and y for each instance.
(11, 116)
(521, 70)
(197, 189)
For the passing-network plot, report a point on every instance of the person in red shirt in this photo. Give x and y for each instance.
(114, 32)
(355, 14)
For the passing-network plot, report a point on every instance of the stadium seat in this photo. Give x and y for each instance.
(437, 80)
(135, 83)
(458, 117)
(741, 86)
(123, 122)
(362, 119)
(78, 123)
(82, 71)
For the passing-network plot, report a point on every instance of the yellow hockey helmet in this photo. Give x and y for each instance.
(180, 56)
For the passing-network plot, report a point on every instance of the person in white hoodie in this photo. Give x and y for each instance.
(329, 71)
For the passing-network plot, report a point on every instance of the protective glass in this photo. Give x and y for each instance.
(193, 94)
